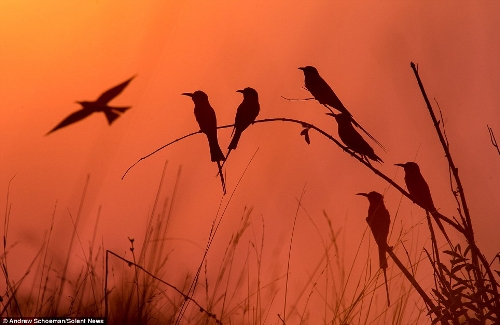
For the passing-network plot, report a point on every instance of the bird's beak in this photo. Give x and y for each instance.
(239, 91)
(362, 194)
(301, 68)
(332, 114)
(401, 165)
(187, 94)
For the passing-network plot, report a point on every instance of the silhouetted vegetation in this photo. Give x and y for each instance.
(134, 290)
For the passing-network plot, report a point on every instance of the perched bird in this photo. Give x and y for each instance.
(100, 105)
(205, 116)
(245, 115)
(379, 220)
(420, 192)
(324, 94)
(352, 139)
(321, 91)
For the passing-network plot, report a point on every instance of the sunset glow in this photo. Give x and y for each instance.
(299, 198)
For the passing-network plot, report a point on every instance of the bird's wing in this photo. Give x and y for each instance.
(367, 133)
(325, 95)
(206, 118)
(246, 114)
(75, 117)
(113, 92)
(241, 120)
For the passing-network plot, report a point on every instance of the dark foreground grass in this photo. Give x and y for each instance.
(134, 287)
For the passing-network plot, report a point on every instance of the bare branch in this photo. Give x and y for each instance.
(414, 282)
(454, 169)
(297, 99)
(469, 232)
(330, 137)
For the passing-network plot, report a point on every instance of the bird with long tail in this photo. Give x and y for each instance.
(207, 120)
(379, 220)
(352, 139)
(421, 194)
(325, 95)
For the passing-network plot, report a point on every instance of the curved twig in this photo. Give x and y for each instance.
(361, 160)
(160, 148)
(327, 135)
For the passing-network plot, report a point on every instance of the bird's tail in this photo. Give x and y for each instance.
(111, 116)
(121, 109)
(367, 133)
(382, 257)
(376, 158)
(219, 165)
(387, 288)
(233, 144)
(437, 217)
(227, 155)
(215, 151)
(234, 141)
(114, 113)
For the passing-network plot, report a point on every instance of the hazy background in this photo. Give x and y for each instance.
(53, 53)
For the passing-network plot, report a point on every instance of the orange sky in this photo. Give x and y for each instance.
(52, 54)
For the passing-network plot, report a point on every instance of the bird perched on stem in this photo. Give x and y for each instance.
(420, 192)
(207, 120)
(352, 139)
(100, 105)
(324, 94)
(379, 220)
(246, 114)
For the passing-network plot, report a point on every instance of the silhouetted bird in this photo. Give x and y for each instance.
(420, 192)
(100, 105)
(245, 115)
(207, 120)
(379, 220)
(324, 94)
(352, 139)
(321, 91)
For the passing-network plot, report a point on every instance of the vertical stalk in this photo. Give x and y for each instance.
(468, 233)
(106, 289)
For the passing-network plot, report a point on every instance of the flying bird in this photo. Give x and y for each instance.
(207, 120)
(100, 105)
(324, 94)
(379, 220)
(352, 139)
(420, 192)
(246, 114)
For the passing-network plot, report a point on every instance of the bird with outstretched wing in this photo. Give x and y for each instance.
(100, 105)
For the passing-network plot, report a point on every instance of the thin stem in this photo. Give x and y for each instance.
(446, 149)
(414, 282)
(492, 138)
(469, 233)
(186, 297)
(106, 289)
(290, 252)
